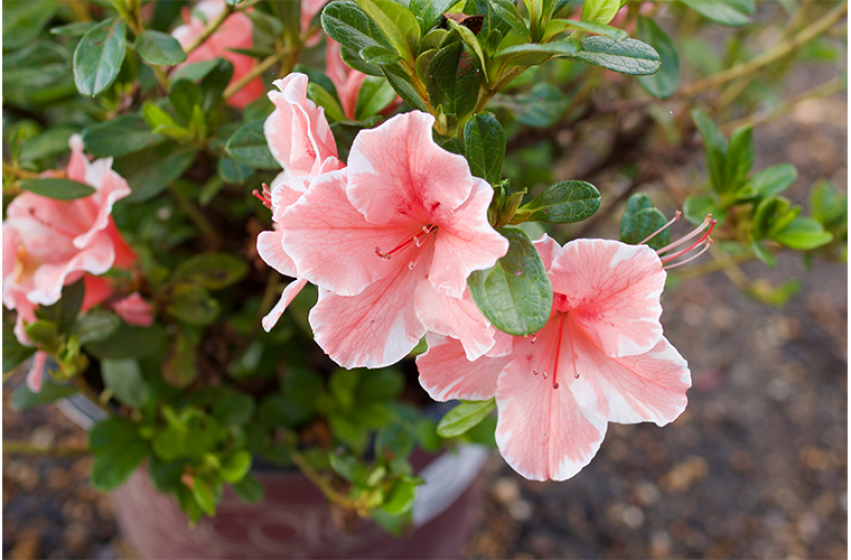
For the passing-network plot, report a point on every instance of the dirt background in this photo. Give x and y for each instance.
(755, 468)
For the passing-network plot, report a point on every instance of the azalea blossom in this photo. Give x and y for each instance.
(601, 357)
(391, 239)
(134, 310)
(309, 9)
(347, 80)
(300, 139)
(235, 33)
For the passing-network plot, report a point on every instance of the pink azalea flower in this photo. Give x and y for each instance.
(134, 310)
(347, 81)
(309, 9)
(54, 242)
(388, 239)
(300, 139)
(235, 33)
(601, 357)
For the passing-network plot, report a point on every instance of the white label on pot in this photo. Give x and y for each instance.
(447, 477)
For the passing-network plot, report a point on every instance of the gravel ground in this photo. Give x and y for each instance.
(755, 468)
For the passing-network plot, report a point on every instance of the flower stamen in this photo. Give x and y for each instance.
(265, 197)
(663, 228)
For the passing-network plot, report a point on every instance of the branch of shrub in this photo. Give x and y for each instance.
(258, 69)
(15, 447)
(320, 482)
(209, 30)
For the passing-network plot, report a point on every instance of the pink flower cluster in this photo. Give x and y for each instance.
(390, 239)
(50, 243)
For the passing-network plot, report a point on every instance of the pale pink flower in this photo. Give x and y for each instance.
(309, 9)
(134, 310)
(235, 33)
(300, 139)
(387, 238)
(346, 80)
(54, 242)
(601, 357)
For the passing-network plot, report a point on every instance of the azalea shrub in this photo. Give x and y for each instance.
(278, 232)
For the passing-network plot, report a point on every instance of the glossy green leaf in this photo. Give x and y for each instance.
(124, 379)
(401, 82)
(95, 325)
(557, 26)
(454, 76)
(628, 56)
(156, 47)
(249, 490)
(400, 499)
(345, 22)
(24, 21)
(192, 304)
(734, 13)
(515, 295)
(394, 442)
(128, 341)
(356, 62)
(763, 254)
(24, 399)
(324, 99)
(664, 83)
(429, 12)
(61, 189)
(119, 450)
(740, 156)
(235, 467)
(532, 54)
(180, 367)
(485, 147)
(233, 172)
(375, 94)
(378, 56)
(236, 409)
(507, 10)
(562, 203)
(715, 146)
(379, 386)
(641, 225)
(542, 106)
(36, 75)
(194, 72)
(249, 147)
(397, 24)
(14, 353)
(772, 214)
(98, 57)
(64, 312)
(75, 29)
(51, 142)
(463, 417)
(828, 204)
(695, 209)
(150, 171)
(205, 495)
(44, 334)
(156, 117)
(350, 468)
(123, 135)
(600, 11)
(803, 234)
(773, 180)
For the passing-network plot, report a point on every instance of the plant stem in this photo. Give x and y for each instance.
(258, 69)
(15, 447)
(90, 393)
(209, 30)
(824, 90)
(19, 173)
(320, 482)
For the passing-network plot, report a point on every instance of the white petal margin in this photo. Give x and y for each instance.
(458, 318)
(445, 372)
(290, 292)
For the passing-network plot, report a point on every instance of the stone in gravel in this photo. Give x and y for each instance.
(28, 545)
(520, 510)
(506, 490)
(43, 436)
(25, 475)
(660, 544)
(647, 493)
(58, 478)
(683, 475)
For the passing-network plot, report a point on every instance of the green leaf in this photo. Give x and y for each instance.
(14, 353)
(696, 208)
(485, 147)
(401, 82)
(128, 341)
(515, 295)
(557, 26)
(378, 56)
(119, 450)
(400, 499)
(37, 75)
(628, 56)
(120, 136)
(179, 368)
(375, 94)
(394, 442)
(156, 117)
(763, 254)
(637, 227)
(248, 146)
(214, 271)
(95, 326)
(563, 203)
(429, 12)
(379, 386)
(23, 21)
(350, 468)
(149, 172)
(734, 13)
(51, 142)
(772, 214)
(324, 99)
(600, 11)
(803, 234)
(156, 47)
(233, 172)
(124, 379)
(249, 490)
(236, 409)
(61, 189)
(235, 467)
(740, 157)
(24, 399)
(463, 417)
(664, 83)
(454, 76)
(346, 23)
(773, 180)
(532, 54)
(354, 60)
(75, 29)
(63, 312)
(827, 204)
(507, 11)
(192, 304)
(542, 106)
(716, 149)
(98, 57)
(205, 495)
(397, 24)
(194, 72)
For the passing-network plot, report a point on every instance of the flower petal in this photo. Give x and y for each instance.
(36, 371)
(290, 292)
(542, 432)
(397, 170)
(612, 290)
(446, 373)
(331, 243)
(465, 242)
(375, 328)
(458, 318)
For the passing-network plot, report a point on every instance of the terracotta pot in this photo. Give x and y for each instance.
(294, 520)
